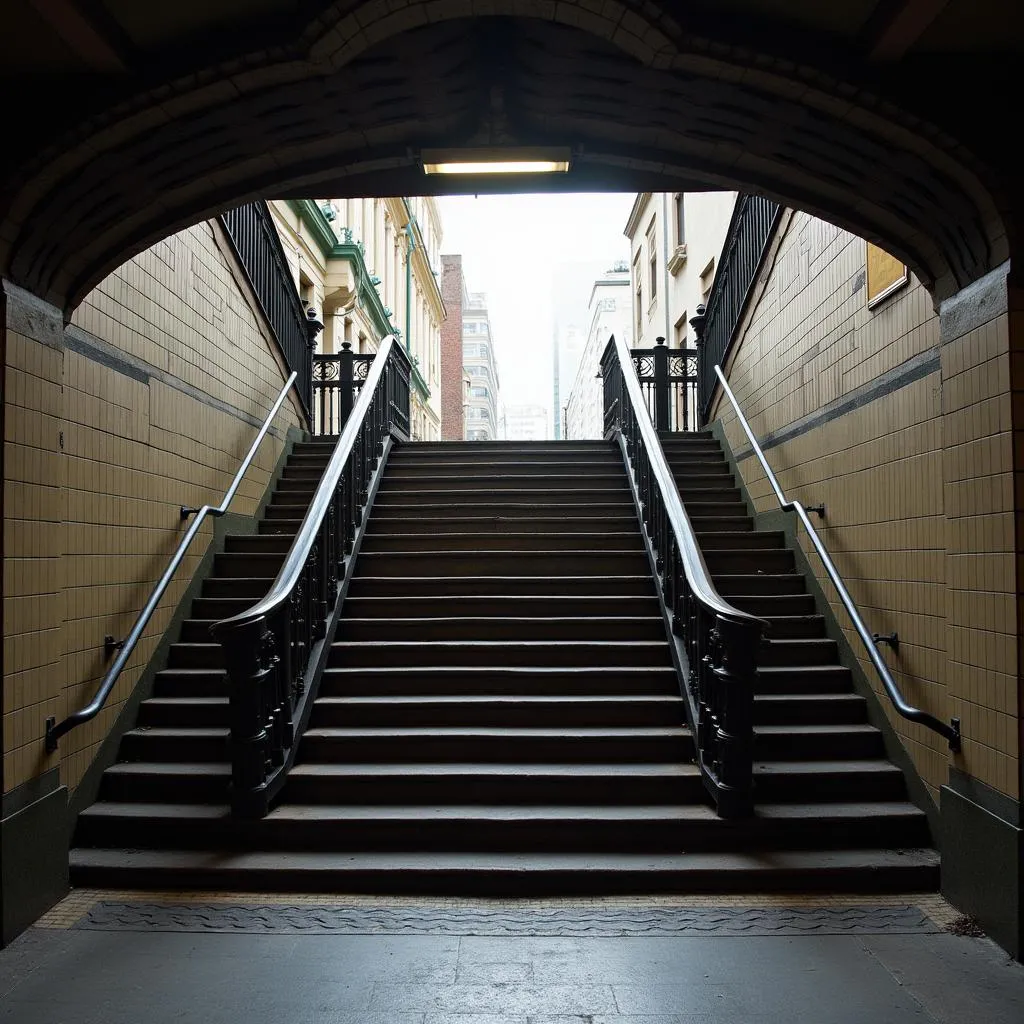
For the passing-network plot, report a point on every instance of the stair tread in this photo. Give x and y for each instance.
(168, 732)
(484, 812)
(411, 731)
(499, 768)
(218, 768)
(323, 865)
(770, 767)
(807, 730)
(459, 701)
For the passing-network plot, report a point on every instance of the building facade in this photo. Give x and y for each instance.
(369, 268)
(527, 423)
(675, 241)
(611, 313)
(481, 366)
(454, 382)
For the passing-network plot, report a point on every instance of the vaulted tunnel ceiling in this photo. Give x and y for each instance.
(344, 100)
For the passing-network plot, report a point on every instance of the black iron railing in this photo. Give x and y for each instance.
(750, 230)
(276, 650)
(668, 380)
(337, 379)
(716, 645)
(258, 247)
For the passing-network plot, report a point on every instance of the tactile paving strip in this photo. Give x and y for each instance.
(554, 921)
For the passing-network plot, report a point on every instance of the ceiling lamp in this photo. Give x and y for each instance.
(498, 160)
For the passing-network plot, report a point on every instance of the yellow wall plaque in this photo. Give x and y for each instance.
(886, 274)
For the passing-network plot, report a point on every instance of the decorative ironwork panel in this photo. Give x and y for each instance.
(750, 230)
(258, 247)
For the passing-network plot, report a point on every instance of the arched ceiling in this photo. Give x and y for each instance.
(343, 98)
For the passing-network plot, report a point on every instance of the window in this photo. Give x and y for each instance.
(652, 262)
(680, 219)
(681, 326)
(479, 392)
(707, 279)
(638, 304)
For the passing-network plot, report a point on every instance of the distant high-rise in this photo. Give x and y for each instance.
(481, 366)
(611, 313)
(571, 285)
(527, 423)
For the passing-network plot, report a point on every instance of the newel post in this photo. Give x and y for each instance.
(698, 323)
(735, 672)
(251, 660)
(661, 403)
(345, 384)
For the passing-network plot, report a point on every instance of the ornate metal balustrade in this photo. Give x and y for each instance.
(715, 645)
(337, 379)
(668, 380)
(750, 230)
(275, 651)
(258, 247)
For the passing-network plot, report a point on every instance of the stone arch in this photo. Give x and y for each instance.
(344, 107)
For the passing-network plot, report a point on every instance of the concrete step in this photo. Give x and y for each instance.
(810, 651)
(515, 508)
(488, 653)
(759, 584)
(416, 744)
(505, 606)
(491, 711)
(167, 780)
(501, 628)
(805, 679)
(867, 870)
(503, 680)
(503, 538)
(609, 585)
(770, 561)
(529, 828)
(146, 743)
(809, 709)
(438, 526)
(531, 562)
(739, 540)
(495, 782)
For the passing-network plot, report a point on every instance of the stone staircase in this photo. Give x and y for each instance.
(500, 713)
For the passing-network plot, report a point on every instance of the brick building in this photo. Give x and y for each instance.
(453, 387)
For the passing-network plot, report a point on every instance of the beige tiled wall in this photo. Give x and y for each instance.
(97, 464)
(917, 482)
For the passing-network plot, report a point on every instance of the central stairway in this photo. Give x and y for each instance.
(500, 714)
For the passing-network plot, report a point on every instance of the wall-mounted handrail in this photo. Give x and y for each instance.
(93, 708)
(720, 641)
(951, 731)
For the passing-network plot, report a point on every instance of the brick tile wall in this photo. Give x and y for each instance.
(97, 463)
(917, 483)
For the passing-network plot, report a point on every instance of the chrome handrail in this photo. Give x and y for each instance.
(93, 708)
(697, 574)
(951, 731)
(288, 575)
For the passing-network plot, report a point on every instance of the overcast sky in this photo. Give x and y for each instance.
(510, 247)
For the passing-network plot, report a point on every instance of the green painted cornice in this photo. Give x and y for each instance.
(319, 226)
(367, 296)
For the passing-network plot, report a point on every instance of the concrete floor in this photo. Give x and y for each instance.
(70, 974)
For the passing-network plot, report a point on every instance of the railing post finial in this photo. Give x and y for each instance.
(698, 322)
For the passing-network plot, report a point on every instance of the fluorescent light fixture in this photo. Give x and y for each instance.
(495, 161)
